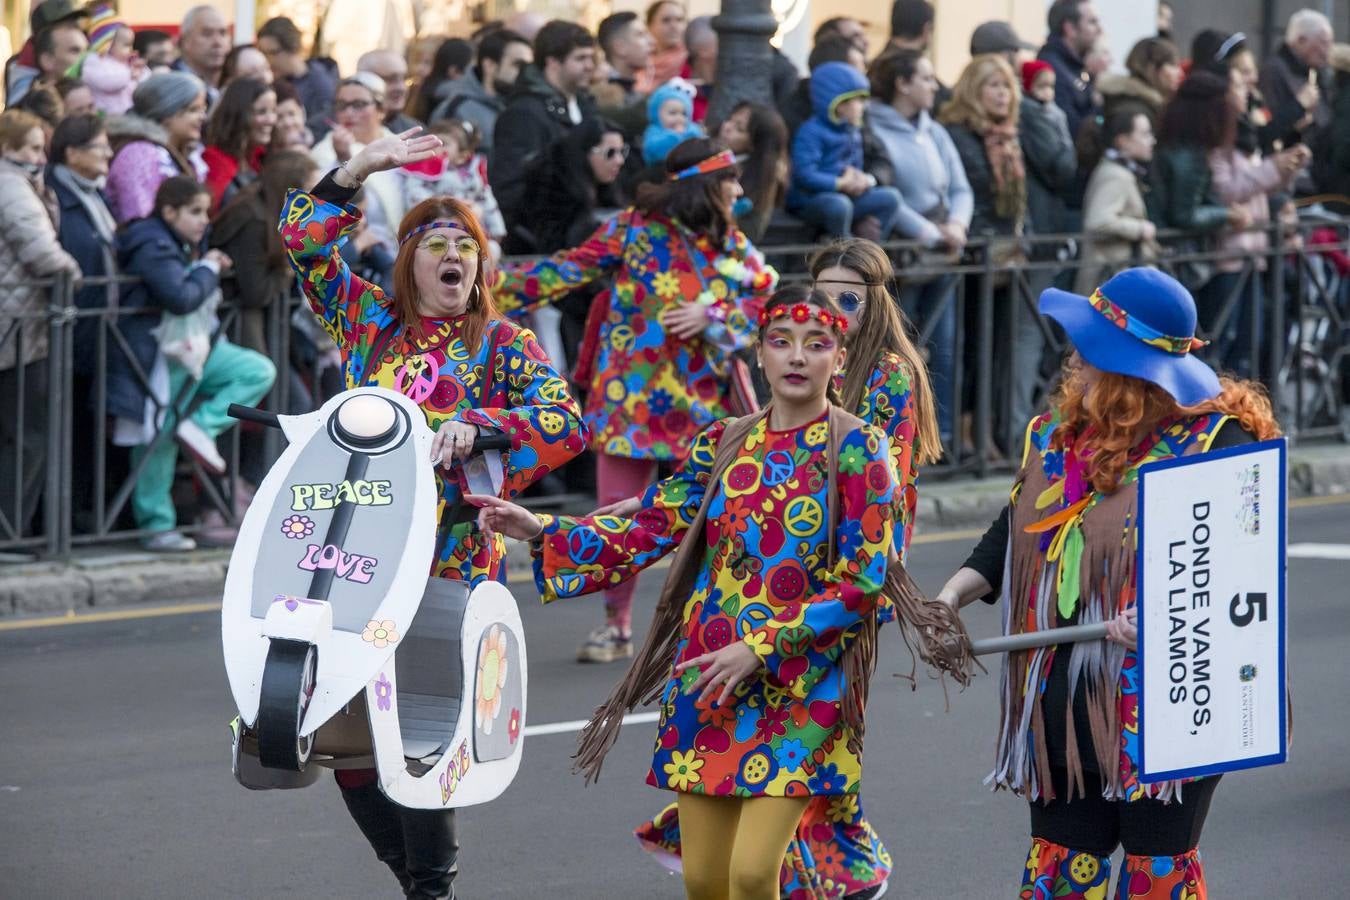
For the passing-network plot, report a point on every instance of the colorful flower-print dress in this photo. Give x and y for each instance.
(764, 580)
(506, 383)
(653, 392)
(835, 851)
(1095, 533)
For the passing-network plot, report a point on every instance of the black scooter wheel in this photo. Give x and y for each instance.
(287, 686)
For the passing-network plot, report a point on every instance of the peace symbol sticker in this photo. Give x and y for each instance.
(778, 468)
(803, 516)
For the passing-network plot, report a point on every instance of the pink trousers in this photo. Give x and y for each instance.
(618, 478)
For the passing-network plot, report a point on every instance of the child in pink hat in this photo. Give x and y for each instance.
(111, 68)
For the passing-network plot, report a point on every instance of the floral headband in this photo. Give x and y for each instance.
(802, 313)
(442, 223)
(1146, 333)
(724, 160)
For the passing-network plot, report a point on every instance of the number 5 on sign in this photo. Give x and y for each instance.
(1211, 568)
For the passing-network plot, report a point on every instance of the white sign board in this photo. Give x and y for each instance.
(1212, 612)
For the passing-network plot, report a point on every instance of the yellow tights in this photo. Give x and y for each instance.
(733, 846)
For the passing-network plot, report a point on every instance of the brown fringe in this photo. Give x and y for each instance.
(651, 668)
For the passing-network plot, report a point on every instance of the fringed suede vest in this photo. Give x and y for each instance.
(1071, 551)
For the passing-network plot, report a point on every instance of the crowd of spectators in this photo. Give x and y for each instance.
(549, 127)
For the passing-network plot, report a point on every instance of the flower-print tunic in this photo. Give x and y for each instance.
(653, 392)
(835, 851)
(764, 580)
(506, 383)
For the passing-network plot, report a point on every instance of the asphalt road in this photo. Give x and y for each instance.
(115, 778)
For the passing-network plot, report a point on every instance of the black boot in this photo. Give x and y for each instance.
(380, 820)
(432, 853)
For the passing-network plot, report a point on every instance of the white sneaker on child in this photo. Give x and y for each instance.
(200, 445)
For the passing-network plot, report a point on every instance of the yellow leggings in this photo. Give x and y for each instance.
(733, 846)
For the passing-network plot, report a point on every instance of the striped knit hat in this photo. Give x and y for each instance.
(103, 27)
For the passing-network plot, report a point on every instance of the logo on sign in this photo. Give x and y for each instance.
(1247, 672)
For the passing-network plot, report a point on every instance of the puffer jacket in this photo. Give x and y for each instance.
(1051, 162)
(1248, 181)
(149, 249)
(29, 251)
(825, 146)
(142, 161)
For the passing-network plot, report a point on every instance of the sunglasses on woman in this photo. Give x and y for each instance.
(849, 301)
(611, 153)
(438, 245)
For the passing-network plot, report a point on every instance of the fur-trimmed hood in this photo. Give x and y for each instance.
(1128, 86)
(131, 127)
(1340, 57)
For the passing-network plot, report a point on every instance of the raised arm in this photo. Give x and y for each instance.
(524, 286)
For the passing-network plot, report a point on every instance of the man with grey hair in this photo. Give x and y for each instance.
(203, 44)
(393, 69)
(1295, 80)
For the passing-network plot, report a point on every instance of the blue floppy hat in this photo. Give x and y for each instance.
(1140, 323)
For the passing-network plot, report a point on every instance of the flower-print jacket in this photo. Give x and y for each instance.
(653, 392)
(506, 383)
(764, 580)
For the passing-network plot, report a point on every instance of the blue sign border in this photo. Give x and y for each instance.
(1282, 446)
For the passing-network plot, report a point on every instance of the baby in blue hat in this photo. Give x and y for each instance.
(670, 112)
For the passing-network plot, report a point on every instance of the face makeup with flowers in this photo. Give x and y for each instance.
(799, 355)
(444, 270)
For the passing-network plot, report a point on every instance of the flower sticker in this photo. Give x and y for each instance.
(297, 527)
(384, 690)
(513, 726)
(381, 634)
(491, 678)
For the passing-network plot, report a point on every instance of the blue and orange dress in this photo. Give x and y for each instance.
(652, 392)
(504, 383)
(836, 851)
(763, 579)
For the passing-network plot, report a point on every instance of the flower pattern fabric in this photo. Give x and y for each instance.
(653, 392)
(1064, 473)
(506, 384)
(1057, 873)
(764, 580)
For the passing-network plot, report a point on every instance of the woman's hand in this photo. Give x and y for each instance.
(1124, 630)
(728, 667)
(342, 140)
(686, 321)
(1239, 217)
(498, 516)
(453, 443)
(624, 509)
(219, 258)
(392, 152)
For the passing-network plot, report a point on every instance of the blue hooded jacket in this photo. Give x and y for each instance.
(658, 141)
(824, 146)
(148, 248)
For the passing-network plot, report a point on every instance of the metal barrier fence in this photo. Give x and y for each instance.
(976, 317)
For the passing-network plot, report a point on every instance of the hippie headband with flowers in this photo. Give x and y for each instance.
(801, 313)
(1177, 346)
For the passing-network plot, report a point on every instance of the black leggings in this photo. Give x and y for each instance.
(419, 845)
(1145, 827)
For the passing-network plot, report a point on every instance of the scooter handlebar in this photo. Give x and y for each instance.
(482, 443)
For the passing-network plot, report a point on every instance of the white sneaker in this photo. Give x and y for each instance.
(200, 445)
(168, 542)
(606, 645)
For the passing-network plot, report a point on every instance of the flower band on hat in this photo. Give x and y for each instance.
(724, 160)
(1178, 346)
(441, 223)
(802, 313)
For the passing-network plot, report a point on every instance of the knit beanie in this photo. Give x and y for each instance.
(674, 89)
(166, 93)
(103, 27)
(1031, 71)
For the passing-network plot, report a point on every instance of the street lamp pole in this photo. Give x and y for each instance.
(744, 57)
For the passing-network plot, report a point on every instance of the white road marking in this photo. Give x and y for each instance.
(1319, 551)
(578, 724)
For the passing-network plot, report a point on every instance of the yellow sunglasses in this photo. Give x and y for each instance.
(438, 245)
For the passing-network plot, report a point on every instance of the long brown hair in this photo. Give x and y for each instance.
(405, 302)
(695, 202)
(1112, 409)
(882, 328)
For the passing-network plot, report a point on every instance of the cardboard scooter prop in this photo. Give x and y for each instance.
(340, 651)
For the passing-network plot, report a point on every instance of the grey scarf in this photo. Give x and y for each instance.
(86, 190)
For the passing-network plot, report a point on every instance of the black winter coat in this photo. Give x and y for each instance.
(986, 222)
(148, 249)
